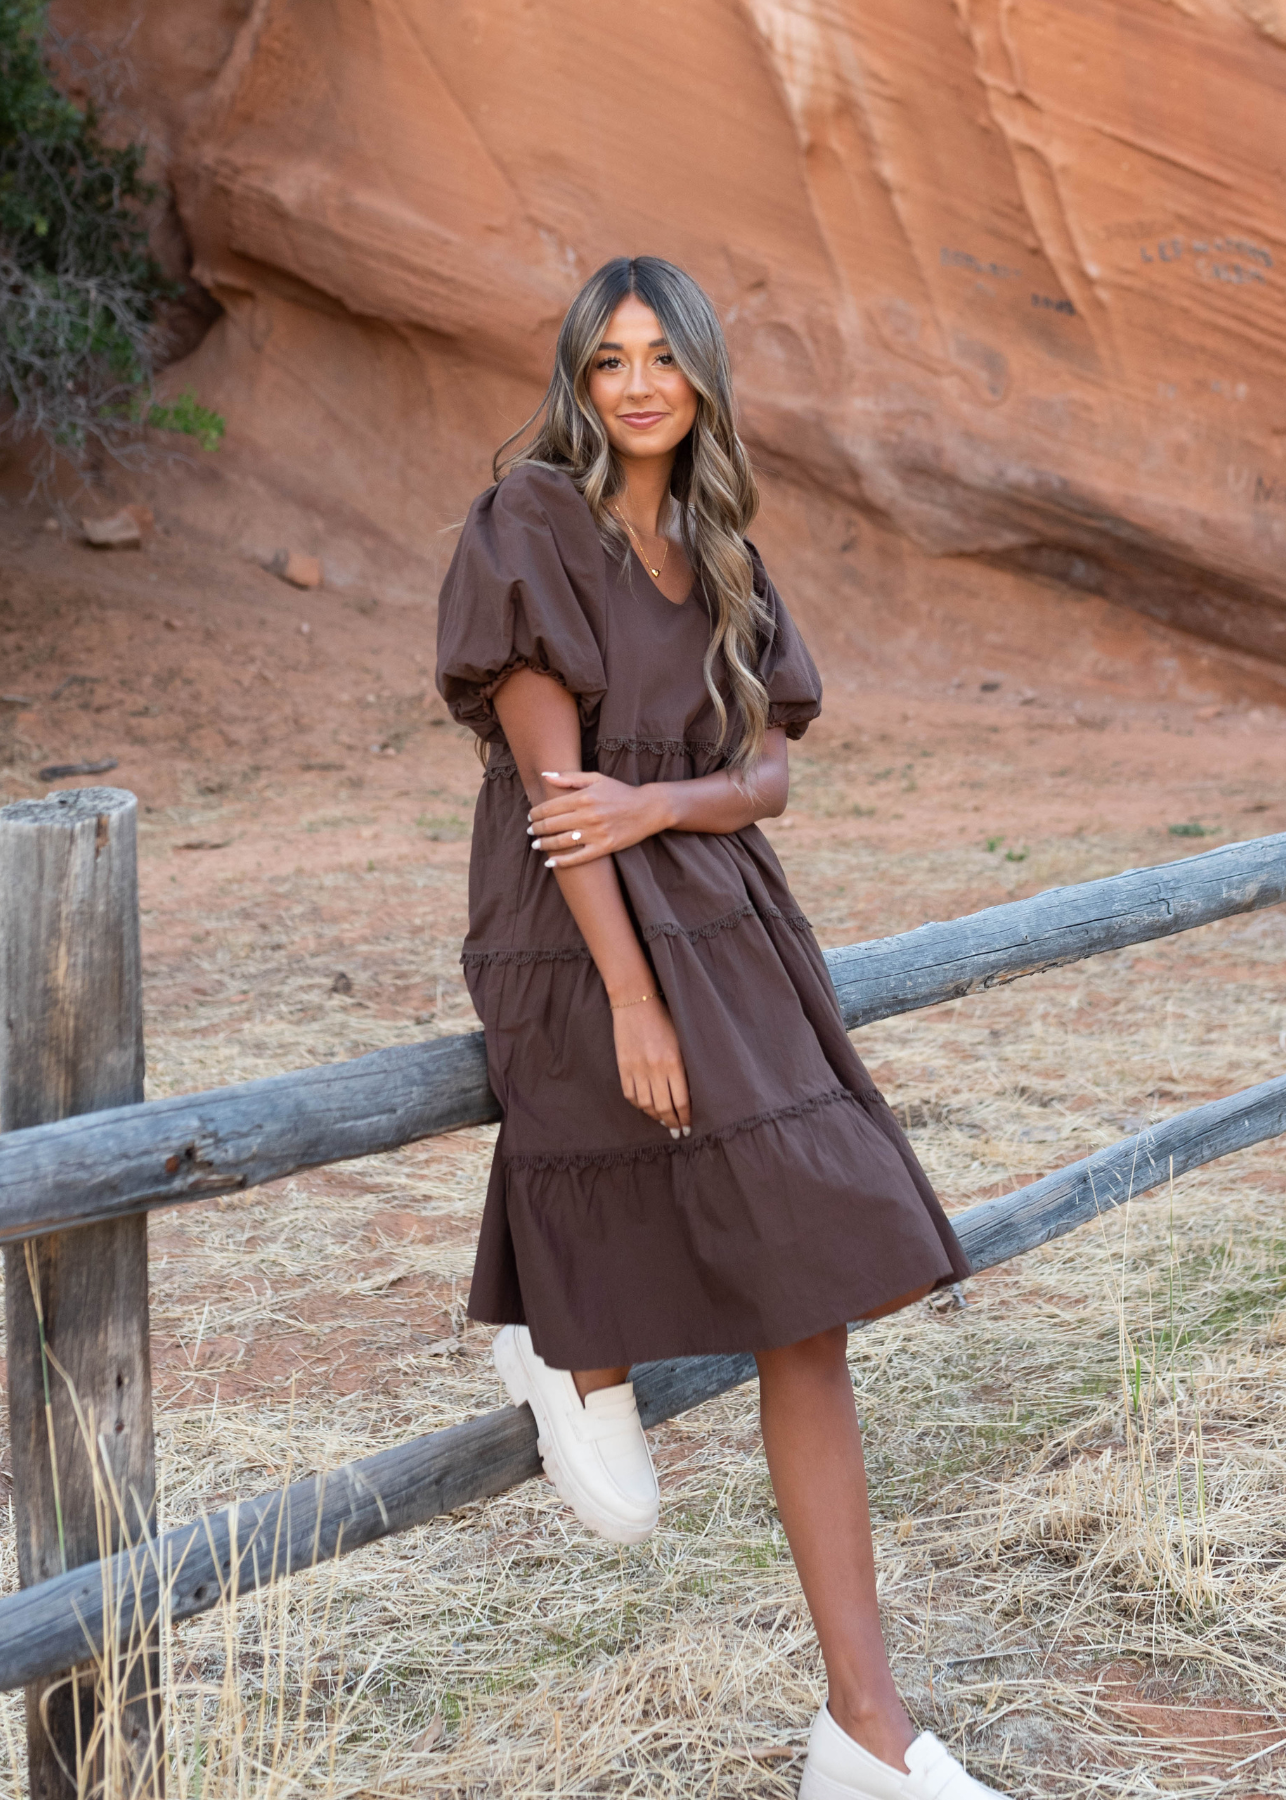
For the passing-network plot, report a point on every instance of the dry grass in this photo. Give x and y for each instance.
(1077, 1479)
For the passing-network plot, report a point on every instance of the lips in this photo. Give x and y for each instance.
(641, 421)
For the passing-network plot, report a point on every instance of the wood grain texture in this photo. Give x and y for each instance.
(325, 1516)
(76, 1302)
(942, 961)
(995, 1230)
(198, 1145)
(260, 1540)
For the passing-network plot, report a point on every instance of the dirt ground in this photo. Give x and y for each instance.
(1077, 1478)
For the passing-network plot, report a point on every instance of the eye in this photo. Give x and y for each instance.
(608, 362)
(667, 358)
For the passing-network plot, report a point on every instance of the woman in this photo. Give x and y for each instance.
(692, 1158)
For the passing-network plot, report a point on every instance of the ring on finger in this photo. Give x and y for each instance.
(576, 837)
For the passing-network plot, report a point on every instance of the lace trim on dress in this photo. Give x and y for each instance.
(612, 1159)
(565, 953)
(666, 928)
(671, 927)
(659, 746)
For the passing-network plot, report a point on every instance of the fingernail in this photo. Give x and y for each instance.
(530, 828)
(549, 774)
(549, 862)
(687, 1131)
(535, 844)
(675, 1132)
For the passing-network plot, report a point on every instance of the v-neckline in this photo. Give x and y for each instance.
(652, 583)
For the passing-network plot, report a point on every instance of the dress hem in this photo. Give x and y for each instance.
(602, 1355)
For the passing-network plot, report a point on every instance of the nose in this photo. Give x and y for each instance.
(640, 385)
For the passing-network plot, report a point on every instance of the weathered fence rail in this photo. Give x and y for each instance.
(944, 960)
(102, 1168)
(43, 1629)
(163, 1152)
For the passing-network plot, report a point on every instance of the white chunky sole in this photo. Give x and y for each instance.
(522, 1389)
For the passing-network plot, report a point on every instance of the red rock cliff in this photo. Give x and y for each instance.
(1006, 275)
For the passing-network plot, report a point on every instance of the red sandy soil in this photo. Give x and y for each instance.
(236, 705)
(304, 798)
(304, 805)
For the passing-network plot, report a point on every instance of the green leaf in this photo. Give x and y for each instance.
(186, 414)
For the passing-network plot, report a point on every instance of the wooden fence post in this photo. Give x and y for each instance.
(80, 1383)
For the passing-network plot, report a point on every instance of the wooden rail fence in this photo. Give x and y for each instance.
(82, 1160)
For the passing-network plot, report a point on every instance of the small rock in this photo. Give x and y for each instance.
(299, 570)
(50, 525)
(989, 687)
(121, 532)
(341, 984)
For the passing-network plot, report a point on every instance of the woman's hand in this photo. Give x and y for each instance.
(650, 1064)
(593, 816)
(611, 815)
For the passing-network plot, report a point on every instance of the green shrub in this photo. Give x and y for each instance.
(79, 287)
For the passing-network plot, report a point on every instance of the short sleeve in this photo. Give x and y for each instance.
(785, 667)
(524, 590)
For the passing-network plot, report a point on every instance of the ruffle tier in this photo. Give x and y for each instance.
(797, 1202)
(740, 1238)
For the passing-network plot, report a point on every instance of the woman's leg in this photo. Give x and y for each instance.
(814, 1448)
(588, 1381)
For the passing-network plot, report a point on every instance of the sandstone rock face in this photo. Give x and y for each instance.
(1004, 277)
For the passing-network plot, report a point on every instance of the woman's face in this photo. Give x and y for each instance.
(646, 402)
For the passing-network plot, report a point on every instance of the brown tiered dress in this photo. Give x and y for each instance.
(797, 1202)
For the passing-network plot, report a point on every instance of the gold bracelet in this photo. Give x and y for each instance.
(638, 1002)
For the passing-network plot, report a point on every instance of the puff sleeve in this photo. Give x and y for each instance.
(785, 667)
(524, 590)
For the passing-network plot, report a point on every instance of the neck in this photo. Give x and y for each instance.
(647, 489)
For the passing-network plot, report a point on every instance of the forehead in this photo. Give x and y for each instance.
(633, 318)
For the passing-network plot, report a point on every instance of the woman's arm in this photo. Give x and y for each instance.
(611, 815)
(542, 725)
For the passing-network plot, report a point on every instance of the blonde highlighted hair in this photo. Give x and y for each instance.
(712, 485)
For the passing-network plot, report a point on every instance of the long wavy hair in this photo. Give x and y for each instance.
(712, 486)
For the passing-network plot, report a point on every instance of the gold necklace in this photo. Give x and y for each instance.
(655, 573)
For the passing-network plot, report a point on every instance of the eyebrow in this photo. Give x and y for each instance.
(656, 344)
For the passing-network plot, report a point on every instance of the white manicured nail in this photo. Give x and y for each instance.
(530, 828)
(549, 862)
(535, 844)
(549, 774)
(687, 1131)
(675, 1132)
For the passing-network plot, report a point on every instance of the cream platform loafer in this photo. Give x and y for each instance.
(594, 1451)
(837, 1768)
